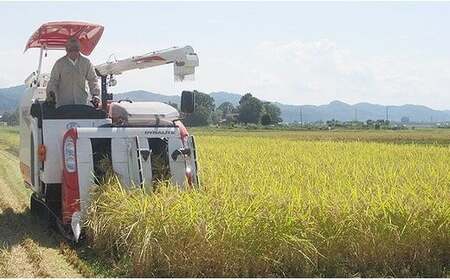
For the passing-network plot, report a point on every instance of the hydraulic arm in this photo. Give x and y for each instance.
(184, 60)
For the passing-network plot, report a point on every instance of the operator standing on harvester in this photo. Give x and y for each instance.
(63, 149)
(67, 83)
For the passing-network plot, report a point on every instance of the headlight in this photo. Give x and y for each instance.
(69, 155)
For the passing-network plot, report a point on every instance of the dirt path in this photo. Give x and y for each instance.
(27, 248)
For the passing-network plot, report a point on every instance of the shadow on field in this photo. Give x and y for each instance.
(15, 227)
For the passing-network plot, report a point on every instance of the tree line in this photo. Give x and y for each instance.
(250, 110)
(10, 118)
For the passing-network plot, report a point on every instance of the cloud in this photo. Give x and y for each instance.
(320, 71)
(314, 72)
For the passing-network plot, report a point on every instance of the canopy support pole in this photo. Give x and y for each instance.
(41, 57)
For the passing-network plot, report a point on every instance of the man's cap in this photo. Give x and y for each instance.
(73, 45)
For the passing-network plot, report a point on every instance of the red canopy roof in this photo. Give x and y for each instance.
(54, 35)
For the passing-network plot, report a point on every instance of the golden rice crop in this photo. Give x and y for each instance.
(277, 207)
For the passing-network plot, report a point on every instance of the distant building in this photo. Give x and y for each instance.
(230, 118)
(404, 120)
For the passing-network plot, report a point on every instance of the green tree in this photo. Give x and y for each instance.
(273, 112)
(250, 109)
(226, 108)
(204, 107)
(11, 119)
(216, 116)
(266, 119)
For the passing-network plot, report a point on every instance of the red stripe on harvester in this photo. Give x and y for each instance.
(70, 187)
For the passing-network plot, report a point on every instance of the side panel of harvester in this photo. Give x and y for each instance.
(29, 138)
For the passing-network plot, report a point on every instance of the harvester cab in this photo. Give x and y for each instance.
(64, 151)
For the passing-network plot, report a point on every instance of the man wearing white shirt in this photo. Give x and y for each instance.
(67, 83)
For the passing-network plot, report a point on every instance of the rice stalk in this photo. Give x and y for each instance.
(286, 208)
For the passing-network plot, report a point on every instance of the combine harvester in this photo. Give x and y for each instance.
(62, 149)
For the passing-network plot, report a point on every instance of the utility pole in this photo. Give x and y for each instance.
(301, 116)
(387, 113)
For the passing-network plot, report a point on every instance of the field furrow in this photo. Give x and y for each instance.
(28, 249)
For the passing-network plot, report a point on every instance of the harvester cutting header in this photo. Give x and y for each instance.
(64, 145)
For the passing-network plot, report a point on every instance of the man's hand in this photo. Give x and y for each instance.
(95, 101)
(51, 98)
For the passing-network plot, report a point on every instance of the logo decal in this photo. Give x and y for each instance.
(159, 132)
(72, 125)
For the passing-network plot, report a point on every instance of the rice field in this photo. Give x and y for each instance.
(9, 140)
(288, 204)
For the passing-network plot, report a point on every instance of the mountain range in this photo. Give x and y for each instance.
(10, 98)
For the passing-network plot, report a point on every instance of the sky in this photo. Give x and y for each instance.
(291, 52)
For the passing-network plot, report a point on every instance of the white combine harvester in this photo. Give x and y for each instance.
(62, 149)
